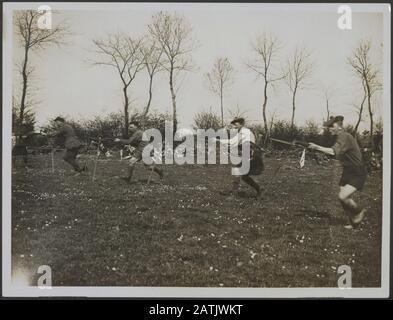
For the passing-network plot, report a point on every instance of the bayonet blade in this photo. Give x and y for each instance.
(295, 143)
(283, 142)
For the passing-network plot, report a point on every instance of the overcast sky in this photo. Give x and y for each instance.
(67, 84)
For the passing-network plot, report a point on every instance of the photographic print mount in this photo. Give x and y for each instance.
(127, 128)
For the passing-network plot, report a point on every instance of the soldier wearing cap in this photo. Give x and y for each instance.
(136, 140)
(71, 142)
(243, 137)
(347, 151)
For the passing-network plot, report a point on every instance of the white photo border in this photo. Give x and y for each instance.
(187, 292)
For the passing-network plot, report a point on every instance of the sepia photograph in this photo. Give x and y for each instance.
(196, 150)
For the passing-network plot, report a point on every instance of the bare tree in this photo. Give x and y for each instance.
(298, 70)
(368, 73)
(124, 54)
(265, 48)
(328, 93)
(33, 38)
(152, 53)
(174, 35)
(359, 109)
(219, 79)
(327, 96)
(272, 119)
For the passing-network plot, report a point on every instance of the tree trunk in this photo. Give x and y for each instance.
(173, 100)
(222, 106)
(327, 110)
(293, 108)
(126, 115)
(360, 114)
(371, 115)
(24, 88)
(264, 109)
(146, 111)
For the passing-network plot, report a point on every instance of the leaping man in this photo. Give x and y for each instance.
(346, 149)
(72, 144)
(136, 140)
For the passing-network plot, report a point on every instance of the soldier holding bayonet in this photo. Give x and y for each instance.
(346, 149)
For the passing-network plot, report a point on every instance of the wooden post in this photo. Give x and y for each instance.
(151, 172)
(52, 153)
(96, 159)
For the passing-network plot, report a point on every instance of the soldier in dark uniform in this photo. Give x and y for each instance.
(72, 143)
(346, 149)
(136, 141)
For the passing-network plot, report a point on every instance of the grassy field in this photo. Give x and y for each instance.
(182, 232)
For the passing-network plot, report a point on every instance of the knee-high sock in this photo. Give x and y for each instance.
(350, 207)
(250, 181)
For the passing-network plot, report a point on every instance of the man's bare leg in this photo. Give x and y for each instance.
(354, 212)
(131, 168)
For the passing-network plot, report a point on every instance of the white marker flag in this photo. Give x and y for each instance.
(303, 159)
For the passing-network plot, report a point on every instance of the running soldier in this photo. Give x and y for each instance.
(71, 142)
(256, 166)
(136, 141)
(346, 149)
